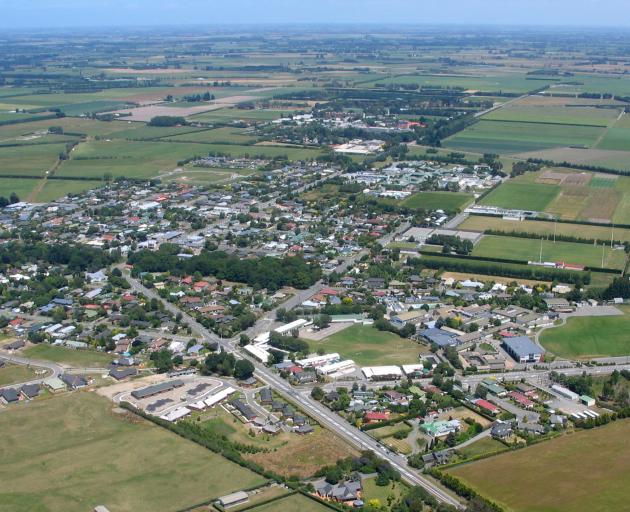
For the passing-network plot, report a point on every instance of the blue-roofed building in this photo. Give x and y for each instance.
(440, 337)
(523, 349)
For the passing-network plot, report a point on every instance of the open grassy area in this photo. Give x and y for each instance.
(544, 228)
(588, 337)
(293, 503)
(285, 453)
(448, 201)
(529, 249)
(522, 196)
(70, 357)
(79, 453)
(516, 137)
(367, 346)
(582, 472)
(588, 116)
(385, 494)
(32, 160)
(12, 373)
(481, 447)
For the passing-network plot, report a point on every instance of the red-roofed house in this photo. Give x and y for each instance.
(487, 406)
(375, 417)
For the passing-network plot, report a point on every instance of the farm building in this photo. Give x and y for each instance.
(231, 500)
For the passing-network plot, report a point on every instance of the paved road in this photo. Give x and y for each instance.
(319, 412)
(53, 370)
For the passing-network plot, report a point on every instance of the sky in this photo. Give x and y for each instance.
(16, 14)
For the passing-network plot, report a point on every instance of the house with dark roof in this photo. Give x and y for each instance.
(73, 381)
(9, 396)
(122, 373)
(246, 411)
(30, 391)
(440, 337)
(343, 492)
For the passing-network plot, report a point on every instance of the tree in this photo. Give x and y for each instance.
(243, 340)
(243, 369)
(162, 360)
(13, 198)
(317, 393)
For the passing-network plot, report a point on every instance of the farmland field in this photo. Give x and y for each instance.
(516, 137)
(448, 201)
(522, 196)
(367, 346)
(22, 187)
(32, 160)
(528, 249)
(77, 358)
(586, 116)
(545, 228)
(593, 473)
(589, 337)
(79, 454)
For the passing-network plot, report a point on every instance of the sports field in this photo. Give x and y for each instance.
(529, 249)
(448, 201)
(568, 194)
(71, 453)
(582, 472)
(70, 357)
(589, 337)
(545, 228)
(367, 346)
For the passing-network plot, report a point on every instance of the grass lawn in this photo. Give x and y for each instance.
(522, 196)
(392, 492)
(293, 503)
(54, 189)
(588, 337)
(449, 201)
(367, 346)
(528, 249)
(13, 373)
(22, 187)
(481, 447)
(71, 357)
(79, 453)
(581, 472)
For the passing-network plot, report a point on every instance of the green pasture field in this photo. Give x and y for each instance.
(22, 187)
(515, 137)
(528, 249)
(70, 125)
(554, 114)
(589, 337)
(228, 135)
(617, 85)
(54, 189)
(508, 82)
(32, 160)
(449, 201)
(34, 140)
(292, 153)
(127, 158)
(544, 228)
(140, 131)
(367, 346)
(80, 454)
(14, 373)
(581, 472)
(522, 196)
(293, 503)
(194, 176)
(229, 114)
(617, 139)
(77, 358)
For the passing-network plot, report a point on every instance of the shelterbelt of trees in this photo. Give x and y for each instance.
(265, 272)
